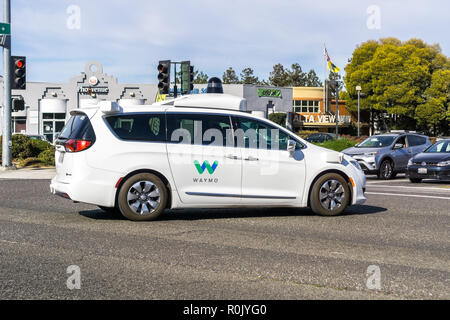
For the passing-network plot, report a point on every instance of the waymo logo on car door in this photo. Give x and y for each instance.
(206, 166)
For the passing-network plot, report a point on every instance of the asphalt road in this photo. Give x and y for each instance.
(402, 230)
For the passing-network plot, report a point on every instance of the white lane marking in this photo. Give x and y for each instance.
(408, 195)
(387, 181)
(417, 188)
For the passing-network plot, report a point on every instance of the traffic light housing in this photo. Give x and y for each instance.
(164, 76)
(17, 104)
(187, 77)
(18, 73)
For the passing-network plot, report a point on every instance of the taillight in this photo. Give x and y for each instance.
(73, 145)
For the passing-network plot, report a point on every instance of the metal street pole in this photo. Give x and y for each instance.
(337, 107)
(175, 88)
(6, 143)
(358, 89)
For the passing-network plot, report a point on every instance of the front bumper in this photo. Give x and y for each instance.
(433, 172)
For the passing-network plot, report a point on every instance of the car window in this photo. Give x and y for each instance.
(416, 140)
(401, 140)
(205, 129)
(440, 146)
(257, 134)
(78, 127)
(377, 142)
(141, 126)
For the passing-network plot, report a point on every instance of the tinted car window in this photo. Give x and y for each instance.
(416, 140)
(258, 134)
(143, 127)
(78, 127)
(377, 142)
(205, 129)
(440, 146)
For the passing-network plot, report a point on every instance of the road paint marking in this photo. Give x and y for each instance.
(417, 188)
(408, 195)
(387, 181)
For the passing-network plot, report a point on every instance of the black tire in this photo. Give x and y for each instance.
(148, 204)
(386, 171)
(320, 194)
(415, 180)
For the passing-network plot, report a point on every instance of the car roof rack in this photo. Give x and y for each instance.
(208, 100)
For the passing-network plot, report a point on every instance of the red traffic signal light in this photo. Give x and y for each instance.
(164, 76)
(18, 73)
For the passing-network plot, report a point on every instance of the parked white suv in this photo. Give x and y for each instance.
(198, 151)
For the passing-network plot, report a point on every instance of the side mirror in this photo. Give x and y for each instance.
(398, 146)
(291, 147)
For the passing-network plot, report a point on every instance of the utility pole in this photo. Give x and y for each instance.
(337, 108)
(6, 143)
(358, 89)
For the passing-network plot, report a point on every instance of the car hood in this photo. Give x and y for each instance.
(431, 157)
(354, 150)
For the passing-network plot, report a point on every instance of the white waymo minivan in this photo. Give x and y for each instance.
(197, 151)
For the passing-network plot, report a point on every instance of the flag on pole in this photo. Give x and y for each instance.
(331, 66)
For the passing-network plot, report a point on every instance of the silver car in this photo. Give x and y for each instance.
(387, 154)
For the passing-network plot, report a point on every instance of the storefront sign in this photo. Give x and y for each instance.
(90, 90)
(269, 93)
(323, 118)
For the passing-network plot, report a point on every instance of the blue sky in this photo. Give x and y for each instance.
(129, 37)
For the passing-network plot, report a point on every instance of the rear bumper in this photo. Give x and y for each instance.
(100, 191)
(433, 172)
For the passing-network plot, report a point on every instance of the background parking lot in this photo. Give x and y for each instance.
(227, 253)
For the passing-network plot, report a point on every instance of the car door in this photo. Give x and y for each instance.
(401, 155)
(205, 169)
(270, 175)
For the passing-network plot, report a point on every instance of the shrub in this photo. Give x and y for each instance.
(337, 145)
(304, 133)
(47, 157)
(278, 118)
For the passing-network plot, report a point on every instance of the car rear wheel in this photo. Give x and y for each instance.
(142, 197)
(330, 195)
(414, 180)
(386, 171)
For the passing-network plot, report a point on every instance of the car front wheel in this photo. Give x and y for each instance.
(330, 195)
(386, 170)
(142, 197)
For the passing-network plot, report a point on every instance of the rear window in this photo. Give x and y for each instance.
(416, 140)
(78, 127)
(144, 127)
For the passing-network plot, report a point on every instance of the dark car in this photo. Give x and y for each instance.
(433, 163)
(321, 137)
(387, 154)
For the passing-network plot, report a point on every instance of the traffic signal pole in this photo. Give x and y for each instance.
(6, 136)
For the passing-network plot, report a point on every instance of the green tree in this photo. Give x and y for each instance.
(435, 112)
(394, 76)
(312, 80)
(247, 77)
(230, 77)
(279, 77)
(200, 77)
(296, 76)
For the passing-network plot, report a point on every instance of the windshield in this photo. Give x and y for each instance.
(441, 146)
(377, 142)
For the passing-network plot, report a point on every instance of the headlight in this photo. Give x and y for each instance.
(443, 163)
(371, 154)
(410, 162)
(356, 164)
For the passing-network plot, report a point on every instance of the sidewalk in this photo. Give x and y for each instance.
(28, 173)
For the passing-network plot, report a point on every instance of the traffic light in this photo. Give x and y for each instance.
(18, 73)
(164, 76)
(187, 77)
(17, 104)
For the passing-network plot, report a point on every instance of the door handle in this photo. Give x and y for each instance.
(250, 158)
(232, 156)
